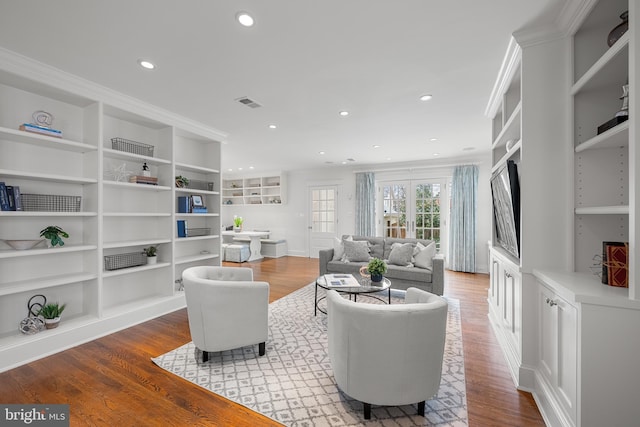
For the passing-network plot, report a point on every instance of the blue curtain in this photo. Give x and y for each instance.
(365, 204)
(462, 241)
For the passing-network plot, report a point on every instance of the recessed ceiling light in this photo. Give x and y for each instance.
(436, 154)
(388, 158)
(146, 64)
(344, 163)
(244, 19)
(426, 97)
(320, 152)
(376, 146)
(272, 126)
(229, 170)
(239, 169)
(344, 113)
(433, 139)
(250, 167)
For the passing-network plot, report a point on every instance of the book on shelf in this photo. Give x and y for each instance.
(4, 197)
(182, 228)
(30, 127)
(605, 259)
(617, 265)
(341, 280)
(15, 199)
(139, 179)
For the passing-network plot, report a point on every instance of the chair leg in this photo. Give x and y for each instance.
(262, 349)
(205, 356)
(421, 408)
(367, 411)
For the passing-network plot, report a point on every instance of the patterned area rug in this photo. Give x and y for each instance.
(293, 383)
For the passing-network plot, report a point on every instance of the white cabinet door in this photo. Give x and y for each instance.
(558, 348)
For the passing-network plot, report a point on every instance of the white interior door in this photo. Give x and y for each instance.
(323, 215)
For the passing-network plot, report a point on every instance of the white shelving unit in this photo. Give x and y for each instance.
(582, 191)
(116, 216)
(259, 190)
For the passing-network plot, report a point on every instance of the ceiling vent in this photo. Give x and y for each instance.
(248, 102)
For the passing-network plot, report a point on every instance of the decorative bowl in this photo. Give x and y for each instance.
(22, 245)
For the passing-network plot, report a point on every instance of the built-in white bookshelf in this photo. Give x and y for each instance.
(116, 216)
(256, 190)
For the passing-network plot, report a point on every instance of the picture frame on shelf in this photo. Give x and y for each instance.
(196, 201)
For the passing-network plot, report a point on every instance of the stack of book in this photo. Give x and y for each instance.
(138, 179)
(30, 127)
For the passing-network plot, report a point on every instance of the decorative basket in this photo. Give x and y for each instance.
(134, 147)
(50, 203)
(193, 232)
(200, 185)
(118, 261)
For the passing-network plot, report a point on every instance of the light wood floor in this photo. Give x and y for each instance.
(111, 381)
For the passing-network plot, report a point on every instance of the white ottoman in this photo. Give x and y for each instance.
(236, 253)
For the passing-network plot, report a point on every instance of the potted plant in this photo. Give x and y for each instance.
(51, 313)
(54, 234)
(151, 252)
(182, 181)
(237, 223)
(376, 269)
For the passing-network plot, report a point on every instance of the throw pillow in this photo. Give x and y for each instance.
(424, 258)
(338, 248)
(356, 251)
(401, 254)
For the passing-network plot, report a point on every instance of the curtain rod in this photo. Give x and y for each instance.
(411, 169)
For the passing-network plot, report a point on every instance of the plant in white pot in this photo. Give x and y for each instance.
(54, 234)
(151, 253)
(51, 313)
(237, 223)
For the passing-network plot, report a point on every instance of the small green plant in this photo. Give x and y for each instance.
(237, 221)
(182, 181)
(150, 251)
(54, 234)
(52, 310)
(376, 266)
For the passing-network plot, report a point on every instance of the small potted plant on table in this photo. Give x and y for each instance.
(376, 268)
(51, 313)
(237, 223)
(151, 252)
(182, 181)
(54, 234)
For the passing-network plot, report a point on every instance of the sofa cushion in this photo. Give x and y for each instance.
(401, 254)
(424, 255)
(408, 273)
(338, 248)
(389, 241)
(376, 245)
(356, 251)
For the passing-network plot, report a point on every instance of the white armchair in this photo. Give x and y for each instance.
(388, 354)
(226, 308)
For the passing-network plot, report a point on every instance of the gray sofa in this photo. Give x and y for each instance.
(401, 277)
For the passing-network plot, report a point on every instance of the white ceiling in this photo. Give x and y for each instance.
(303, 60)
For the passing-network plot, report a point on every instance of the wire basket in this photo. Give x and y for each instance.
(200, 185)
(134, 147)
(119, 261)
(193, 232)
(50, 203)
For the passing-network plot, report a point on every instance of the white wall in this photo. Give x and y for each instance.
(290, 220)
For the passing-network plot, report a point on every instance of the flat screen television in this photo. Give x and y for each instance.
(505, 188)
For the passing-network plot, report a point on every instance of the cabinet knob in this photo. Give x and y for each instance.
(551, 302)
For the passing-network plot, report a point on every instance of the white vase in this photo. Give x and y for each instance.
(152, 260)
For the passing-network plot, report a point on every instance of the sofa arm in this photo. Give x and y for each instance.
(325, 255)
(437, 275)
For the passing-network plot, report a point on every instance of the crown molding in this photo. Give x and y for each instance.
(507, 71)
(81, 89)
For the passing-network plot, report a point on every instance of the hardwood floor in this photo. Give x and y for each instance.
(111, 381)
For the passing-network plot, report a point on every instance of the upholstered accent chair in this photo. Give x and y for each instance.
(226, 308)
(388, 354)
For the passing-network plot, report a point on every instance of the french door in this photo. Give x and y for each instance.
(415, 209)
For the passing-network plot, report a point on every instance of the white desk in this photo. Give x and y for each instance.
(254, 245)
